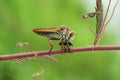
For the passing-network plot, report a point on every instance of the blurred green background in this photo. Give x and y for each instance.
(19, 17)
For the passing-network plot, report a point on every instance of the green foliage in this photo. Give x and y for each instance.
(19, 17)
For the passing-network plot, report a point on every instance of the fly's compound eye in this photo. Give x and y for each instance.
(72, 34)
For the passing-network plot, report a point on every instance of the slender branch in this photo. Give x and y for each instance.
(40, 53)
(112, 12)
(101, 22)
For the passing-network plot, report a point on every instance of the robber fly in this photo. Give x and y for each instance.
(61, 33)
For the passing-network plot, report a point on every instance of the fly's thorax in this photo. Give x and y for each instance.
(65, 33)
(63, 29)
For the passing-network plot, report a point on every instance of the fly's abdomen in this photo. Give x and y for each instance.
(45, 33)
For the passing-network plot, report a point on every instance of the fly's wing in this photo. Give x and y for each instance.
(51, 33)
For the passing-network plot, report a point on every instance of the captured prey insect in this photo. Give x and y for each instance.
(62, 33)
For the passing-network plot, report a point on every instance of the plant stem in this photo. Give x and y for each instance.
(40, 53)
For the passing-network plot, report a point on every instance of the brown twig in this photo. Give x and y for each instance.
(101, 22)
(40, 53)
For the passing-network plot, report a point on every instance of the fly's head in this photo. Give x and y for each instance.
(65, 36)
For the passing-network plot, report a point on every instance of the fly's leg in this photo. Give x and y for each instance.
(62, 46)
(68, 46)
(65, 49)
(51, 45)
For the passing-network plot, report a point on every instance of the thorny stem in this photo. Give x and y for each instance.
(40, 53)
